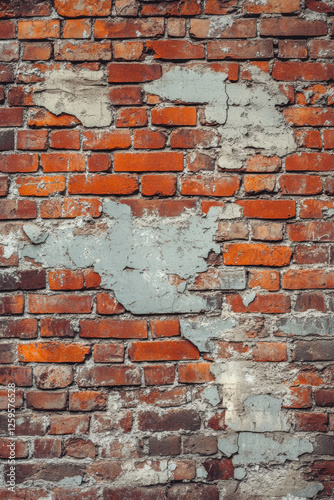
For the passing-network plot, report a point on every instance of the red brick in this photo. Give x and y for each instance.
(305, 71)
(102, 470)
(79, 448)
(159, 374)
(108, 376)
(102, 184)
(300, 184)
(193, 138)
(314, 209)
(149, 139)
(256, 254)
(31, 425)
(7, 29)
(319, 5)
(324, 397)
(6, 73)
(43, 118)
(195, 373)
(65, 139)
(313, 254)
(176, 27)
(40, 400)
(87, 401)
(158, 185)
(66, 424)
(197, 162)
(270, 351)
(219, 469)
(18, 163)
(165, 350)
(133, 72)
(82, 51)
(306, 301)
(9, 51)
(21, 449)
(128, 28)
(271, 6)
(126, 95)
(173, 8)
(109, 139)
(107, 304)
(4, 399)
(41, 185)
(311, 231)
(290, 49)
(322, 49)
(113, 328)
(273, 303)
(19, 375)
(18, 209)
(303, 279)
(255, 184)
(37, 51)
(174, 116)
(18, 328)
(99, 162)
(10, 117)
(47, 448)
(175, 49)
(329, 139)
(69, 208)
(244, 49)
(108, 353)
(165, 328)
(268, 209)
(308, 138)
(63, 162)
(148, 162)
(292, 27)
(259, 163)
(32, 139)
(38, 29)
(131, 117)
(59, 304)
(208, 186)
(78, 8)
(77, 28)
(65, 279)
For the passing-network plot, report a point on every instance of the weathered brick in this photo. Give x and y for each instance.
(197, 185)
(77, 28)
(53, 377)
(103, 184)
(159, 374)
(166, 446)
(78, 8)
(317, 350)
(129, 28)
(164, 350)
(173, 420)
(244, 49)
(47, 448)
(108, 376)
(59, 304)
(38, 29)
(201, 444)
(68, 424)
(87, 401)
(244, 254)
(52, 352)
(113, 328)
(133, 72)
(39, 400)
(82, 51)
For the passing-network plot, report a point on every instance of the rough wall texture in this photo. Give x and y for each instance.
(166, 248)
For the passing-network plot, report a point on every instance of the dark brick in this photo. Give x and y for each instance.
(170, 445)
(219, 469)
(20, 375)
(311, 422)
(22, 8)
(7, 353)
(170, 421)
(204, 445)
(193, 492)
(154, 493)
(324, 445)
(6, 140)
(314, 350)
(307, 301)
(30, 425)
(20, 328)
(47, 471)
(324, 397)
(24, 280)
(323, 470)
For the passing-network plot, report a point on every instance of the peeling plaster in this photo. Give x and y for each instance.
(247, 113)
(79, 92)
(201, 330)
(141, 259)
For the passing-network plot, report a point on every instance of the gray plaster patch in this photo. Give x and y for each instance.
(255, 448)
(228, 445)
(248, 298)
(306, 325)
(35, 233)
(250, 122)
(201, 330)
(79, 92)
(253, 397)
(138, 258)
(239, 473)
(233, 279)
(211, 395)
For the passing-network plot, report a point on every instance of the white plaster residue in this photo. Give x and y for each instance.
(247, 112)
(141, 259)
(219, 24)
(201, 330)
(79, 92)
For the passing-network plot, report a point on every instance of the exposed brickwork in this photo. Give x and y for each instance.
(219, 383)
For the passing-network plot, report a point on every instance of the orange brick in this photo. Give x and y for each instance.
(36, 51)
(311, 231)
(43, 118)
(329, 139)
(303, 279)
(273, 303)
(165, 328)
(174, 116)
(99, 162)
(78, 8)
(270, 351)
(164, 350)
(271, 6)
(69, 208)
(195, 373)
(65, 139)
(127, 51)
(102, 184)
(113, 328)
(82, 51)
(259, 163)
(106, 304)
(87, 401)
(300, 184)
(129, 28)
(298, 397)
(256, 254)
(268, 209)
(131, 117)
(158, 185)
(65, 279)
(176, 49)
(52, 352)
(40, 185)
(305, 71)
(269, 280)
(148, 162)
(255, 184)
(38, 29)
(149, 139)
(292, 27)
(77, 28)
(133, 72)
(208, 186)
(106, 139)
(63, 162)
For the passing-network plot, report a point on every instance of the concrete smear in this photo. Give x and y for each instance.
(79, 92)
(143, 260)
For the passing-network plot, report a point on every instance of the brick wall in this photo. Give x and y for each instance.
(166, 248)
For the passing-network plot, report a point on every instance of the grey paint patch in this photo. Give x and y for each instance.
(138, 258)
(247, 111)
(306, 325)
(309, 492)
(239, 473)
(248, 298)
(257, 448)
(228, 445)
(253, 397)
(211, 395)
(35, 233)
(201, 330)
(79, 92)
(70, 481)
(233, 279)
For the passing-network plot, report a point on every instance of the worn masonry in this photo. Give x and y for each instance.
(166, 249)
